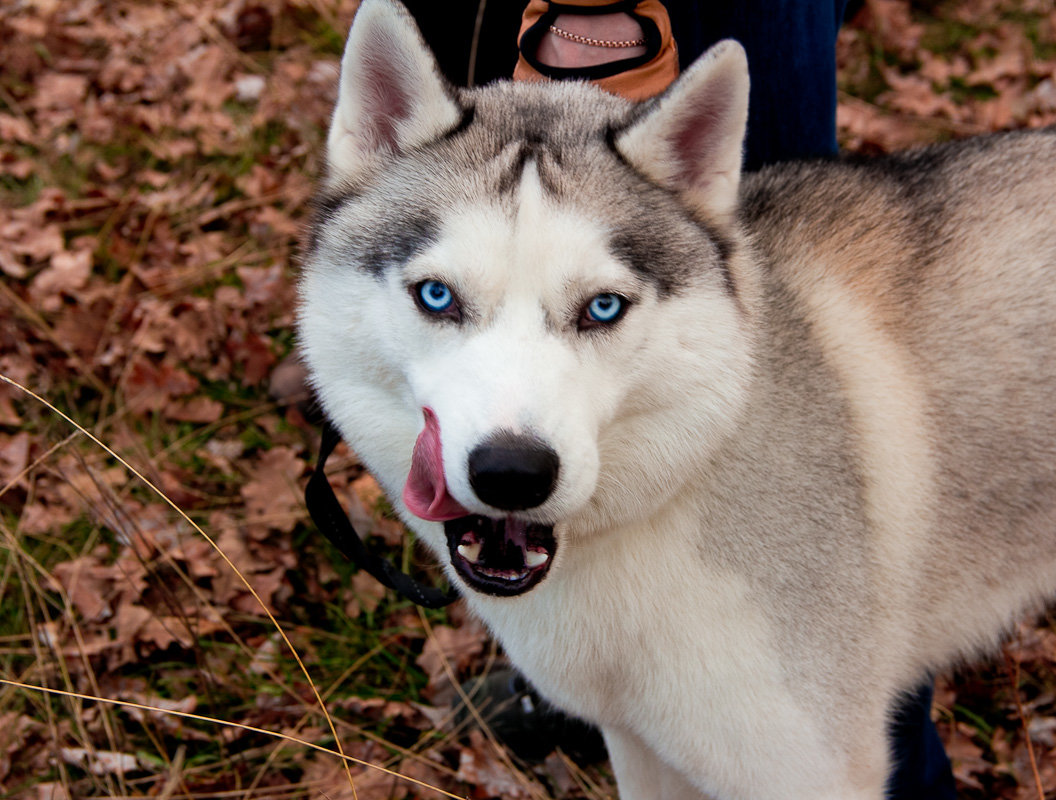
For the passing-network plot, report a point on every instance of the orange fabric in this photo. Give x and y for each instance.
(639, 83)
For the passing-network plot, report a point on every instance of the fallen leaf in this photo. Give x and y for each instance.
(330, 780)
(366, 592)
(100, 762)
(479, 766)
(89, 584)
(271, 495)
(56, 90)
(150, 387)
(966, 755)
(15, 129)
(14, 457)
(51, 790)
(914, 94)
(253, 353)
(196, 409)
(36, 242)
(450, 648)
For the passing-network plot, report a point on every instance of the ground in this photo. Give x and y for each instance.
(156, 163)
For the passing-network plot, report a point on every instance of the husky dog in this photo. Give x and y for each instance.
(727, 463)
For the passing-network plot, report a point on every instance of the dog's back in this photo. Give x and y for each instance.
(928, 282)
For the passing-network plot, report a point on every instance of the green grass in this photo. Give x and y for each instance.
(962, 92)
(944, 35)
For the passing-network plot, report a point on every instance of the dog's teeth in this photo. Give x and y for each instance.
(536, 558)
(470, 552)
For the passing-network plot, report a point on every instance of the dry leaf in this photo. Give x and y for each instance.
(450, 648)
(479, 766)
(56, 90)
(89, 584)
(272, 496)
(366, 593)
(100, 762)
(195, 409)
(14, 457)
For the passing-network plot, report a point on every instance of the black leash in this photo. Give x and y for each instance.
(332, 521)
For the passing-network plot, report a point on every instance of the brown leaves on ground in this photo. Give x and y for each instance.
(998, 722)
(450, 652)
(913, 73)
(156, 162)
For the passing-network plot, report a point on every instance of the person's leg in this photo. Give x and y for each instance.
(450, 27)
(791, 46)
(922, 768)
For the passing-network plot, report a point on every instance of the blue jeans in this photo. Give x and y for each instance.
(922, 768)
(791, 46)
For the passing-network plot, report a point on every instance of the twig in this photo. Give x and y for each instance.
(1013, 663)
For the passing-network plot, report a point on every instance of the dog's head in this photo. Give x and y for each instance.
(526, 306)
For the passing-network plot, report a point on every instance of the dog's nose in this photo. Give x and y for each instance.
(513, 472)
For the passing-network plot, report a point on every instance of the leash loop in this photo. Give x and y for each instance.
(330, 518)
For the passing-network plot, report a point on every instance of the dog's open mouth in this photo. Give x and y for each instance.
(501, 557)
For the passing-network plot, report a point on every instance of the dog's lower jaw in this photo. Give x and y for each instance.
(502, 557)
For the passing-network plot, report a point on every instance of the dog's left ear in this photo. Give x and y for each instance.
(392, 96)
(691, 139)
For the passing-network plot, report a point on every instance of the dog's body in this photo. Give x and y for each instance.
(791, 443)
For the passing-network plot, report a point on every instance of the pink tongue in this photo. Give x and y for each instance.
(425, 492)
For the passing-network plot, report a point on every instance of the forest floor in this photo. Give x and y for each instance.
(156, 166)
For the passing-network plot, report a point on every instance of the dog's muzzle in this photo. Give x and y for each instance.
(503, 555)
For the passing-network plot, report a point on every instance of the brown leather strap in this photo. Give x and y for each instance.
(635, 79)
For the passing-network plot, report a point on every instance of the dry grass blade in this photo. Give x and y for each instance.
(1013, 666)
(271, 617)
(216, 721)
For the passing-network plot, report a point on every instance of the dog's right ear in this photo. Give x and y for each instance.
(392, 96)
(690, 139)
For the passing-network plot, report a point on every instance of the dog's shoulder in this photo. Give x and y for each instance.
(853, 188)
(881, 223)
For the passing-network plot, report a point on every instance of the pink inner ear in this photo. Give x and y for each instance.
(425, 493)
(702, 137)
(691, 141)
(388, 102)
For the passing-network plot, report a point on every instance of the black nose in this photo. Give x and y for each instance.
(513, 472)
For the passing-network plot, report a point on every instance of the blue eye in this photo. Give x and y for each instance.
(434, 296)
(604, 309)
